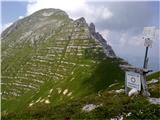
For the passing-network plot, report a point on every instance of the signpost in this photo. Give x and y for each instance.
(136, 77)
(149, 35)
(133, 77)
(133, 80)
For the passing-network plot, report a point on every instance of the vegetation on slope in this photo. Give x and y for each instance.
(112, 105)
(154, 88)
(95, 79)
(155, 75)
(52, 66)
(52, 60)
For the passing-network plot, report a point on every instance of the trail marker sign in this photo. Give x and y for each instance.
(133, 80)
(148, 36)
(148, 42)
(149, 32)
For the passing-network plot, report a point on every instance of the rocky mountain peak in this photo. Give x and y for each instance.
(49, 50)
(49, 12)
(107, 48)
(81, 20)
(92, 28)
(52, 66)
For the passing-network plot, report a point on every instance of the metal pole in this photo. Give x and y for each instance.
(145, 58)
(143, 79)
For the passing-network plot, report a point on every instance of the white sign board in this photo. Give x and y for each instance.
(148, 42)
(133, 80)
(148, 36)
(149, 32)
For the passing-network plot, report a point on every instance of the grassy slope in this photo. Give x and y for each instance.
(155, 75)
(87, 80)
(113, 105)
(84, 84)
(154, 88)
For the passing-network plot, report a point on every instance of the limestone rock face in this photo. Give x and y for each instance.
(81, 21)
(48, 46)
(92, 28)
(107, 48)
(46, 22)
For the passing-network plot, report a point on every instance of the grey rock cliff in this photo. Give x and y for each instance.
(107, 48)
(48, 46)
(45, 23)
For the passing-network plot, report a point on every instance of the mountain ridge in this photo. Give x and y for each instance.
(54, 67)
(80, 21)
(48, 58)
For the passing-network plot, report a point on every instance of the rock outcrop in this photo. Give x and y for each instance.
(107, 48)
(48, 55)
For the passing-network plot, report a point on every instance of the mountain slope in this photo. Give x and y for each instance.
(155, 75)
(48, 58)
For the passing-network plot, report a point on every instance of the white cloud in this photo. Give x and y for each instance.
(123, 39)
(136, 40)
(13, 0)
(3, 27)
(68, 5)
(133, 41)
(87, 0)
(20, 17)
(157, 35)
(106, 35)
(75, 9)
(95, 14)
(18, 0)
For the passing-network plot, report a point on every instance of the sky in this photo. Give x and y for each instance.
(121, 22)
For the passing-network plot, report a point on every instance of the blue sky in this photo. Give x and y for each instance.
(12, 10)
(120, 23)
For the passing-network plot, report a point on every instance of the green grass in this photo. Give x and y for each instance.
(99, 73)
(87, 81)
(113, 105)
(155, 75)
(106, 73)
(154, 88)
(84, 76)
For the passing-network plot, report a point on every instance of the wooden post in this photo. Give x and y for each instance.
(149, 36)
(143, 79)
(126, 88)
(144, 86)
(142, 73)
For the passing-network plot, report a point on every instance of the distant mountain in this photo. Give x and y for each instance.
(48, 58)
